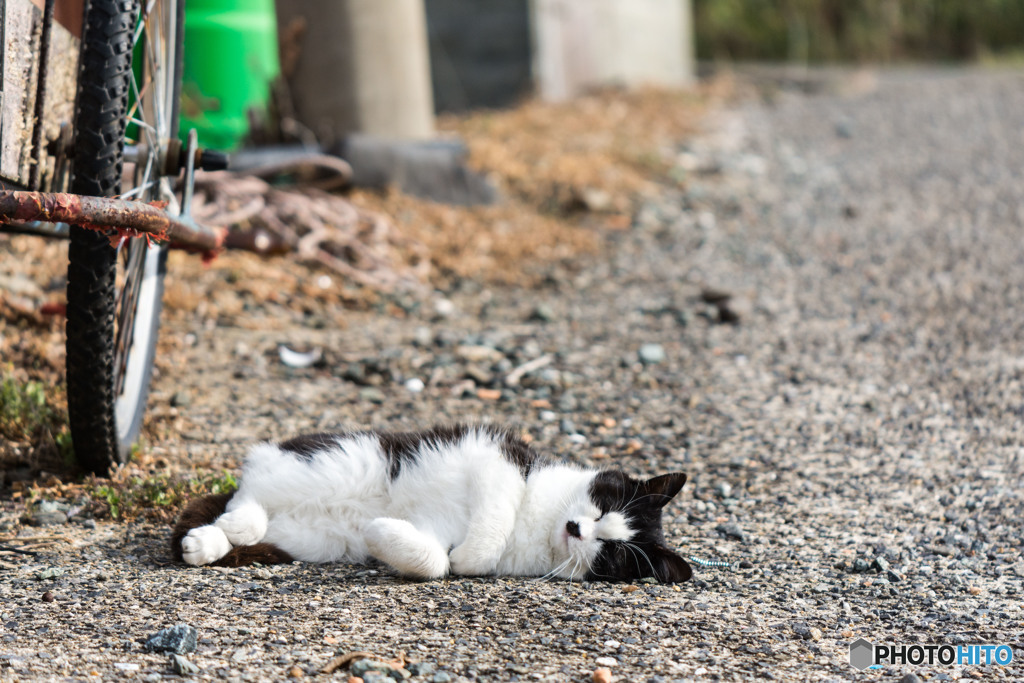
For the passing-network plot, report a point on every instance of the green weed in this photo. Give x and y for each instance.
(158, 497)
(24, 410)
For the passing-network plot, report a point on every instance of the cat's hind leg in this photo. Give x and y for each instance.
(412, 552)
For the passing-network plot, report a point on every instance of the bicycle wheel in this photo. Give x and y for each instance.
(114, 293)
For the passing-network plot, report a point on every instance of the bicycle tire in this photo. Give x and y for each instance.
(111, 329)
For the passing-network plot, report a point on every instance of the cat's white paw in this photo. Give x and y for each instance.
(204, 544)
(469, 561)
(244, 525)
(400, 544)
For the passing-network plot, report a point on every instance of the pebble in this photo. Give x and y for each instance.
(444, 308)
(48, 596)
(371, 395)
(182, 666)
(542, 313)
(180, 638)
(414, 385)
(910, 678)
(607, 661)
(477, 353)
(296, 672)
(361, 667)
(651, 354)
(732, 530)
(47, 518)
(50, 573)
(442, 677)
(602, 675)
(421, 668)
(181, 399)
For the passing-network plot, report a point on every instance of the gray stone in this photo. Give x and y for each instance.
(50, 573)
(181, 399)
(362, 666)
(652, 354)
(731, 530)
(47, 518)
(371, 395)
(421, 668)
(542, 313)
(182, 666)
(180, 639)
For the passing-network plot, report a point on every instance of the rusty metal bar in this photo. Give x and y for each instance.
(102, 213)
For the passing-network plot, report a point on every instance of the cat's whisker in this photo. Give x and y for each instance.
(554, 572)
(633, 548)
(633, 502)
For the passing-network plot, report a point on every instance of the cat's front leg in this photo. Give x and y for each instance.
(400, 544)
(244, 522)
(472, 559)
(486, 540)
(203, 545)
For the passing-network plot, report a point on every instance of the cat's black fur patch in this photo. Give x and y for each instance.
(518, 452)
(307, 445)
(403, 447)
(641, 502)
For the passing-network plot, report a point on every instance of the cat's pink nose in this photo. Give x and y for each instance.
(573, 528)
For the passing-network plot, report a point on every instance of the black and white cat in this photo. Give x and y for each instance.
(460, 500)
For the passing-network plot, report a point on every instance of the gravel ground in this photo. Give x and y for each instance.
(854, 442)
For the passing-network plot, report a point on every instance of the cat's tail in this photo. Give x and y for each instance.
(205, 511)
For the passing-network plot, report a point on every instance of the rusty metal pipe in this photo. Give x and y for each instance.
(102, 213)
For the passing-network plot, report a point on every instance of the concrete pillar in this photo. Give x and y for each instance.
(358, 66)
(579, 44)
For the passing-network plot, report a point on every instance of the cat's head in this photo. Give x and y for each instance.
(613, 533)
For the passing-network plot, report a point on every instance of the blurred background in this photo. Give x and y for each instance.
(859, 30)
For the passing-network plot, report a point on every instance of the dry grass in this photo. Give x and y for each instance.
(550, 161)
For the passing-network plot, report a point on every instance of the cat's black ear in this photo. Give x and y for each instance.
(669, 567)
(664, 488)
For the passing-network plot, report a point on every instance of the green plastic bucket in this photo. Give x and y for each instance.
(229, 65)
